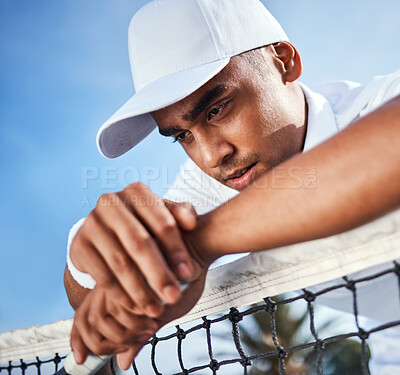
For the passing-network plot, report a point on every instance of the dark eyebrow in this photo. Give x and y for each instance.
(168, 132)
(207, 98)
(204, 102)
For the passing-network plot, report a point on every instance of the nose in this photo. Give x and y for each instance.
(214, 149)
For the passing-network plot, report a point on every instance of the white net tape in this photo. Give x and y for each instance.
(248, 280)
(38, 341)
(251, 278)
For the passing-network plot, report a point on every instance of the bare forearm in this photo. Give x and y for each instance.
(357, 179)
(75, 292)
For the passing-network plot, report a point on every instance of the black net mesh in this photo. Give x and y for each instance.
(40, 366)
(279, 335)
(284, 344)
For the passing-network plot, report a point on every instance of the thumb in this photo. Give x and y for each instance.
(184, 214)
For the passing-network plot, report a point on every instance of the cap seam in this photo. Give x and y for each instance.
(183, 68)
(209, 28)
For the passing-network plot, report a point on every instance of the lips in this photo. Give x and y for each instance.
(242, 178)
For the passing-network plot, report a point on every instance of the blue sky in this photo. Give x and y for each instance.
(64, 70)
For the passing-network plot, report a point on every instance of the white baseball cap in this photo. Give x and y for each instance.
(175, 47)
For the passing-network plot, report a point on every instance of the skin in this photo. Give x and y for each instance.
(366, 156)
(134, 247)
(253, 118)
(107, 319)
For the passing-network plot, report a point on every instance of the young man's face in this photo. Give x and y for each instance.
(241, 123)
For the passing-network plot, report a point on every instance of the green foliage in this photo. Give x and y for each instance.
(339, 358)
(343, 357)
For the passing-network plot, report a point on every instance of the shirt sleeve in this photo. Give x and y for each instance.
(350, 100)
(82, 278)
(381, 90)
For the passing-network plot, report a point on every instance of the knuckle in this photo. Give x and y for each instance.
(167, 225)
(137, 187)
(104, 278)
(148, 325)
(144, 297)
(92, 319)
(147, 300)
(84, 236)
(143, 241)
(113, 309)
(189, 206)
(119, 260)
(107, 200)
(96, 347)
(79, 244)
(119, 339)
(90, 222)
(74, 252)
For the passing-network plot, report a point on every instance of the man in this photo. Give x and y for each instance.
(221, 78)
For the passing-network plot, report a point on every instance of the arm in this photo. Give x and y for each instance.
(75, 292)
(107, 319)
(357, 180)
(133, 238)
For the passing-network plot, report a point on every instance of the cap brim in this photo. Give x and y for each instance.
(133, 122)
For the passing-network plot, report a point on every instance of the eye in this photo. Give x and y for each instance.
(215, 111)
(180, 137)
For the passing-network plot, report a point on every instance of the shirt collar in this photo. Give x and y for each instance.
(321, 123)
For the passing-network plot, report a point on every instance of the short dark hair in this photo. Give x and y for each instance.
(254, 57)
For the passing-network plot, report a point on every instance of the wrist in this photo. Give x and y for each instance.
(199, 244)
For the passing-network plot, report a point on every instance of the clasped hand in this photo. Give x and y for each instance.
(133, 245)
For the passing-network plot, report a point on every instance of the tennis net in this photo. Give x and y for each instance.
(267, 313)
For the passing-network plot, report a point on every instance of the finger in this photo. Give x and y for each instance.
(90, 337)
(78, 347)
(83, 254)
(96, 343)
(184, 213)
(161, 223)
(86, 334)
(136, 246)
(110, 328)
(126, 317)
(186, 216)
(125, 359)
(99, 319)
(118, 294)
(123, 268)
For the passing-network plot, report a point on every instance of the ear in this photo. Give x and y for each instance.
(288, 61)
